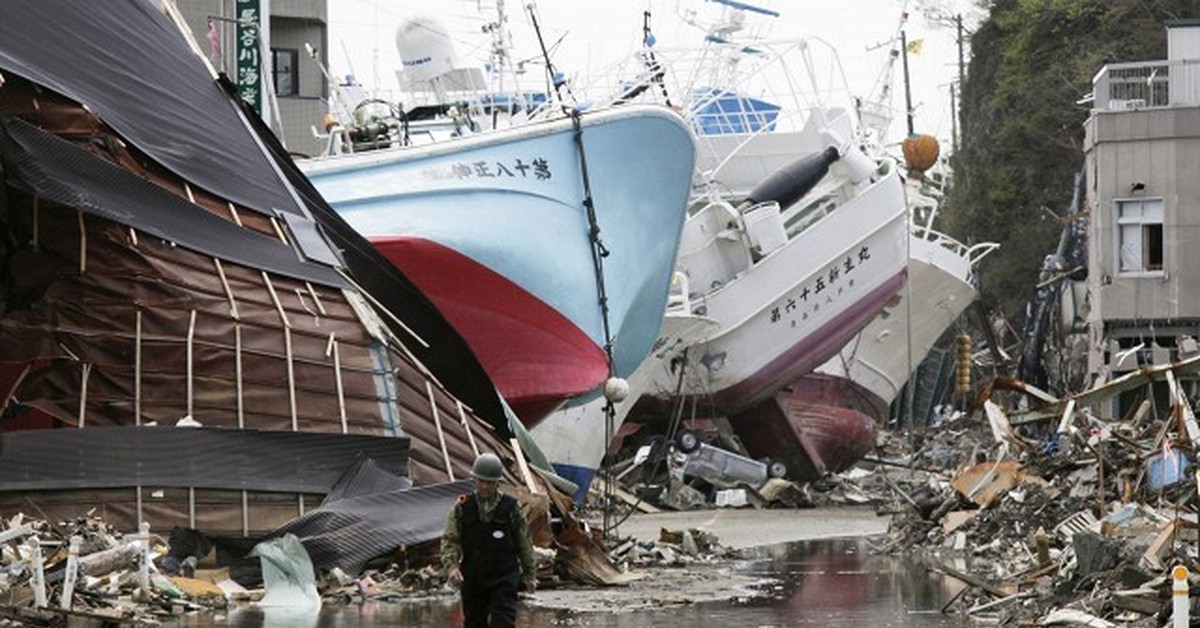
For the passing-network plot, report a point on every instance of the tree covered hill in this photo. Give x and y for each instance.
(1021, 138)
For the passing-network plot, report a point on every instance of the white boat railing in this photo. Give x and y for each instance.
(923, 211)
(741, 90)
(1146, 84)
(679, 298)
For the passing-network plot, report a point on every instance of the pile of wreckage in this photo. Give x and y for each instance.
(1049, 515)
(86, 570)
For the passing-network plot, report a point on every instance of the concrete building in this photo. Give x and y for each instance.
(1142, 164)
(298, 82)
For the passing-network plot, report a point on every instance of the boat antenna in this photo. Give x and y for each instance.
(336, 101)
(556, 78)
(656, 70)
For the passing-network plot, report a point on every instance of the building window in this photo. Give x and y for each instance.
(287, 71)
(1140, 236)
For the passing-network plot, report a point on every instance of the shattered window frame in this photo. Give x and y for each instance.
(1139, 233)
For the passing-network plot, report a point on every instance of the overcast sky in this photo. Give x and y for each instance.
(596, 34)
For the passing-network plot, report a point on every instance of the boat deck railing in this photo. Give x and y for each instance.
(1146, 84)
(727, 87)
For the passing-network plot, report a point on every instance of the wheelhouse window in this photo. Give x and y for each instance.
(286, 70)
(1139, 236)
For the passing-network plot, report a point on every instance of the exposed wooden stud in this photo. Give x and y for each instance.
(191, 343)
(300, 504)
(275, 299)
(83, 393)
(291, 377)
(437, 421)
(523, 466)
(133, 236)
(341, 390)
(237, 365)
(188, 190)
(137, 498)
(245, 513)
(192, 507)
(279, 231)
(287, 339)
(233, 309)
(82, 244)
(462, 415)
(317, 298)
(13, 389)
(304, 304)
(233, 213)
(137, 370)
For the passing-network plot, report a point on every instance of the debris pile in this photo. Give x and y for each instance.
(685, 472)
(1052, 516)
(672, 548)
(84, 568)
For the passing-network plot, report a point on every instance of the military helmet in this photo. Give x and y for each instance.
(487, 467)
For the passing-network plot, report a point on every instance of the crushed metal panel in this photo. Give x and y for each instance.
(57, 170)
(112, 457)
(348, 532)
(166, 104)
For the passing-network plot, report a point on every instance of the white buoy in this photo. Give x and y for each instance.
(68, 589)
(1179, 596)
(616, 389)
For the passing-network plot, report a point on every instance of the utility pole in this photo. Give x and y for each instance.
(961, 65)
(908, 107)
(953, 121)
(962, 68)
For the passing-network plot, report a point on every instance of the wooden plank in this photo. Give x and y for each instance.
(524, 467)
(969, 579)
(599, 484)
(437, 422)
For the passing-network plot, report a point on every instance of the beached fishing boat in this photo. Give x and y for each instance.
(543, 244)
(825, 421)
(941, 284)
(795, 242)
(547, 243)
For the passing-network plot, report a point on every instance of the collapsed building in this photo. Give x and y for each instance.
(164, 266)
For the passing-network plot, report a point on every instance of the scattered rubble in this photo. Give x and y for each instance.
(52, 571)
(1052, 516)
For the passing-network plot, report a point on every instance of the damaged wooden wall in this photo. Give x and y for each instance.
(103, 325)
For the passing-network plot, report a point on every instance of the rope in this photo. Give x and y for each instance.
(599, 252)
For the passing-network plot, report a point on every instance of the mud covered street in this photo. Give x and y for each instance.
(708, 579)
(738, 528)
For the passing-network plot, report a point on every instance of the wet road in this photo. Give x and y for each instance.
(831, 583)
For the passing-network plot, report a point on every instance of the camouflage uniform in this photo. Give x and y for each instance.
(488, 553)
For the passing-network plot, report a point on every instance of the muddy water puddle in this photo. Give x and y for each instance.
(830, 583)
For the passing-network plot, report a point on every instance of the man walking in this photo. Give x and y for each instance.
(487, 551)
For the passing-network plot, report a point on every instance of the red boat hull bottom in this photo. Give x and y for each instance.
(536, 356)
(812, 439)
